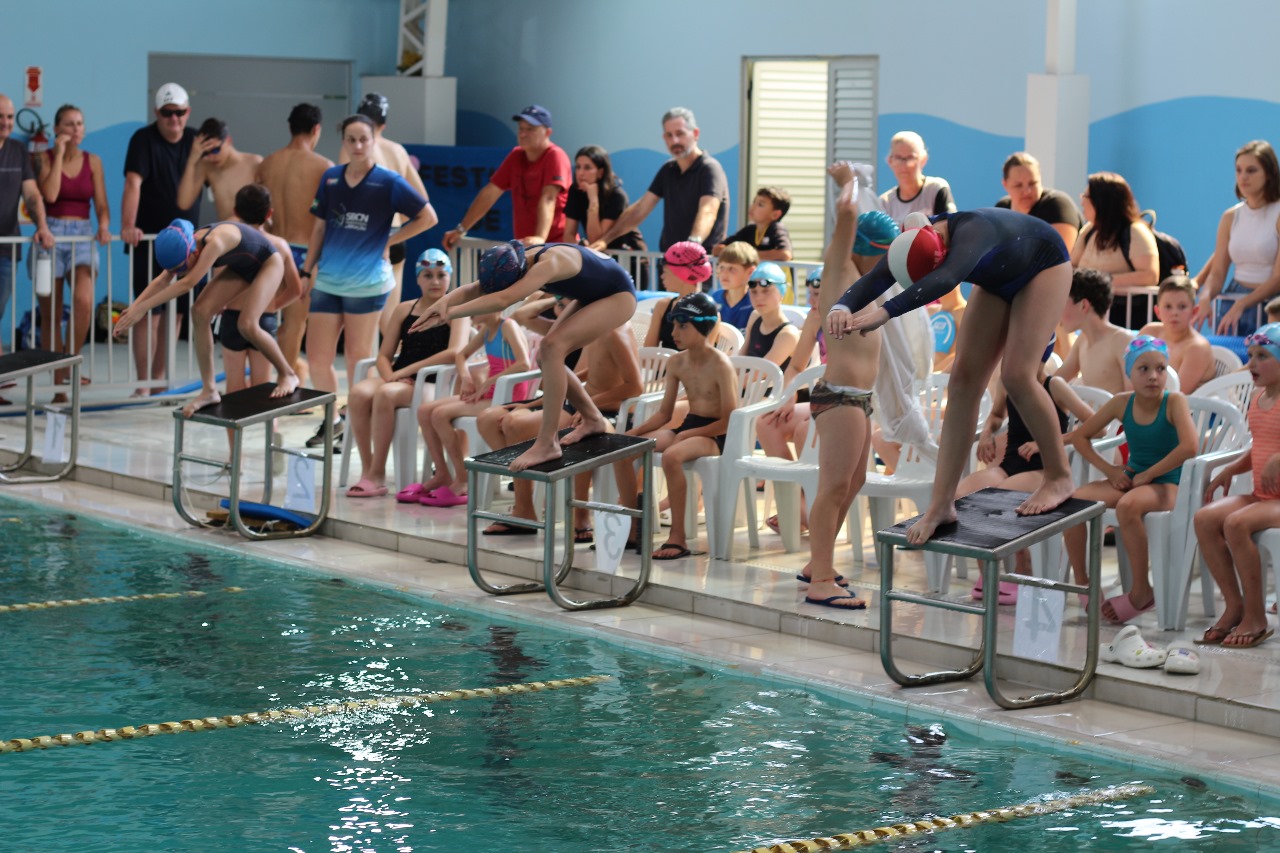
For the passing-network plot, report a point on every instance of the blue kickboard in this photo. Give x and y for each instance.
(266, 512)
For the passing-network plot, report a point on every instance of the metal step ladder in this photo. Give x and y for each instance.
(989, 531)
(584, 457)
(236, 412)
(28, 364)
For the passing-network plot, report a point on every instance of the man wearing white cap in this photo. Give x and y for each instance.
(153, 170)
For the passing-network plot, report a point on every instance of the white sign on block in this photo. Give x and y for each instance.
(1037, 633)
(611, 533)
(55, 431)
(300, 493)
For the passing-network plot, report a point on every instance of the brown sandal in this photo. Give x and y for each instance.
(1215, 635)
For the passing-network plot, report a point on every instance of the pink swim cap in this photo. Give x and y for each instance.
(914, 254)
(688, 260)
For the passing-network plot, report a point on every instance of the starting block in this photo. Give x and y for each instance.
(28, 364)
(246, 408)
(581, 458)
(989, 530)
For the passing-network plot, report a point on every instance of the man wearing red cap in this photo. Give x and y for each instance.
(538, 174)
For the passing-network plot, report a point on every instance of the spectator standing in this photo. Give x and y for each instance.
(215, 163)
(1112, 211)
(915, 191)
(70, 181)
(153, 167)
(537, 172)
(1026, 194)
(596, 200)
(692, 186)
(17, 181)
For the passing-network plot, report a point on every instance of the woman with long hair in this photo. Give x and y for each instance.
(1114, 221)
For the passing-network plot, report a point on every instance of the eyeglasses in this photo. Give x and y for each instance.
(754, 283)
(904, 161)
(172, 112)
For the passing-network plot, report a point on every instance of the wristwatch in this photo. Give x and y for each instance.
(304, 274)
(461, 229)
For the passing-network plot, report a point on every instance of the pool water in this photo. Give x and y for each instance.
(664, 757)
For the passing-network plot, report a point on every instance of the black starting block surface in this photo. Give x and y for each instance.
(989, 528)
(16, 364)
(586, 455)
(256, 405)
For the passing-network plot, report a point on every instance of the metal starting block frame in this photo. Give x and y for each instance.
(581, 458)
(28, 364)
(989, 531)
(236, 412)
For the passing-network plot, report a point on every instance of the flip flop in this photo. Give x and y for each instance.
(681, 552)
(366, 489)
(831, 602)
(583, 535)
(1214, 636)
(1131, 650)
(1182, 660)
(442, 497)
(1007, 595)
(508, 530)
(840, 581)
(1252, 638)
(1124, 608)
(411, 493)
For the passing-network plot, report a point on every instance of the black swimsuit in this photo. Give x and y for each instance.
(600, 277)
(419, 346)
(759, 344)
(246, 259)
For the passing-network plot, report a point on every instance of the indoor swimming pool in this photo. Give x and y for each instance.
(665, 755)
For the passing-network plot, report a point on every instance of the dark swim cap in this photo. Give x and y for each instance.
(374, 106)
(695, 307)
(502, 266)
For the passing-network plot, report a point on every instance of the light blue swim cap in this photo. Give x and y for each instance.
(1140, 345)
(174, 244)
(771, 273)
(1267, 337)
(434, 258)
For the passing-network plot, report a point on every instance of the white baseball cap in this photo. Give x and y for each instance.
(171, 93)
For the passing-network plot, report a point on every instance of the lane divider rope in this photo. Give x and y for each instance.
(230, 721)
(867, 837)
(108, 599)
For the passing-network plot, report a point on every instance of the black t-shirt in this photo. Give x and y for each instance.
(681, 192)
(160, 163)
(611, 207)
(775, 237)
(1054, 207)
(15, 167)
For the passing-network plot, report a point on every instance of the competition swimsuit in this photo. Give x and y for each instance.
(666, 325)
(1018, 435)
(759, 344)
(692, 421)
(419, 346)
(1000, 251)
(1149, 443)
(246, 259)
(599, 278)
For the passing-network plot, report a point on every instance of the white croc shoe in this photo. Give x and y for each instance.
(1130, 649)
(1183, 659)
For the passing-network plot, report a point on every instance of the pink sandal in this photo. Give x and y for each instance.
(411, 493)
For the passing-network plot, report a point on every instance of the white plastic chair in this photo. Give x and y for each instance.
(404, 443)
(795, 314)
(503, 390)
(729, 339)
(757, 378)
(653, 377)
(792, 476)
(1236, 388)
(1225, 361)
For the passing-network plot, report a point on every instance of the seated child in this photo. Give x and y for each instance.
(1161, 436)
(764, 230)
(684, 268)
(1020, 469)
(372, 403)
(507, 351)
(1098, 356)
(711, 387)
(737, 262)
(1189, 351)
(768, 334)
(1225, 528)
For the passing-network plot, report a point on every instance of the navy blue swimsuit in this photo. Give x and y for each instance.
(999, 250)
(599, 279)
(246, 259)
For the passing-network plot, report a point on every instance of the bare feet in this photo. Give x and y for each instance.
(302, 369)
(536, 455)
(586, 429)
(286, 386)
(922, 531)
(436, 481)
(1049, 496)
(207, 398)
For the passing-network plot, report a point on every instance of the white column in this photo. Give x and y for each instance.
(1058, 105)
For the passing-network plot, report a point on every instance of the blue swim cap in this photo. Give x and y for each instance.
(1140, 345)
(1267, 337)
(174, 244)
(771, 273)
(433, 258)
(502, 266)
(876, 230)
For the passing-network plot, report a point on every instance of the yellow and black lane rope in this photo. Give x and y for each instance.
(108, 599)
(867, 837)
(230, 721)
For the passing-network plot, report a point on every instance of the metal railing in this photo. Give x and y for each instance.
(110, 363)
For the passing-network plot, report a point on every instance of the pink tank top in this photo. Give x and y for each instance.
(1264, 426)
(75, 194)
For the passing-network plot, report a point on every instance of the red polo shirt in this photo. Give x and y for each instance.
(524, 179)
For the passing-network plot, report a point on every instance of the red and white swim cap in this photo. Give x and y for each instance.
(914, 254)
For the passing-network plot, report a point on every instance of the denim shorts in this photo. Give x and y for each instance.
(67, 256)
(328, 303)
(1251, 317)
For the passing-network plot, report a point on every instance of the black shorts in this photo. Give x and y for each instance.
(229, 332)
(144, 271)
(1014, 464)
(692, 421)
(396, 254)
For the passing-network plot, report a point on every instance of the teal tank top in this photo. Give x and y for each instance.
(1149, 443)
